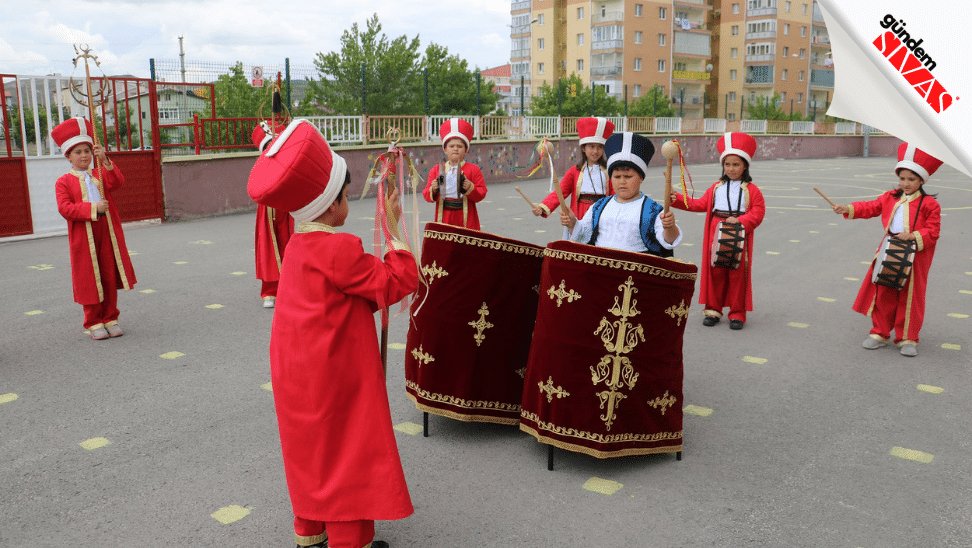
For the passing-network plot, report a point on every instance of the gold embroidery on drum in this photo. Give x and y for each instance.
(619, 337)
(562, 293)
(481, 325)
(664, 402)
(550, 391)
(521, 372)
(480, 242)
(619, 264)
(594, 436)
(434, 271)
(459, 402)
(680, 312)
(422, 357)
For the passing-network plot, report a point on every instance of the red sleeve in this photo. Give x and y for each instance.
(474, 174)
(931, 224)
(364, 275)
(69, 208)
(433, 175)
(567, 185)
(866, 210)
(703, 204)
(755, 210)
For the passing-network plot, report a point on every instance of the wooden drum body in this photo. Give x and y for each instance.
(728, 245)
(892, 267)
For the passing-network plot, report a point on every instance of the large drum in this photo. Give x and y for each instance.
(605, 371)
(893, 263)
(469, 336)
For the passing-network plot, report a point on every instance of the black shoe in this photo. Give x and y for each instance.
(736, 324)
(379, 544)
(709, 321)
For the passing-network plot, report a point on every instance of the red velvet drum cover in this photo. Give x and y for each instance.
(604, 375)
(468, 341)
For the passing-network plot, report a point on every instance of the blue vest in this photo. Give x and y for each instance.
(649, 212)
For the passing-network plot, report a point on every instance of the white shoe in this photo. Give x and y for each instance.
(871, 343)
(269, 302)
(909, 350)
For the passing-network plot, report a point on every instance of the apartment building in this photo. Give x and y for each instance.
(710, 56)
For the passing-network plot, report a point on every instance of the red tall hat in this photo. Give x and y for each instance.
(738, 143)
(264, 132)
(456, 127)
(919, 161)
(594, 130)
(70, 133)
(299, 173)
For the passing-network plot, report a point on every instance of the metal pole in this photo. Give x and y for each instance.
(182, 59)
(479, 109)
(425, 72)
(364, 91)
(725, 110)
(791, 108)
(560, 97)
(152, 69)
(592, 99)
(521, 96)
(626, 100)
(681, 103)
(742, 107)
(287, 71)
(867, 140)
(654, 101)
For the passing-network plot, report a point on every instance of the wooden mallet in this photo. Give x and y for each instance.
(824, 196)
(669, 150)
(532, 205)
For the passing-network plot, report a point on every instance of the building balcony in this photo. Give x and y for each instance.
(759, 35)
(759, 75)
(689, 24)
(606, 71)
(689, 100)
(759, 12)
(689, 43)
(607, 44)
(760, 58)
(519, 54)
(699, 77)
(705, 4)
(609, 17)
(820, 42)
(520, 6)
(821, 78)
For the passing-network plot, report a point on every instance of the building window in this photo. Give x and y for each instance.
(735, 8)
(637, 10)
(540, 20)
(661, 65)
(803, 53)
(540, 69)
(539, 43)
(580, 13)
(732, 116)
(637, 37)
(662, 13)
(801, 75)
(783, 75)
(783, 97)
(732, 96)
(637, 90)
(580, 39)
(786, 6)
(733, 74)
(804, 9)
(786, 28)
(786, 51)
(803, 31)
(580, 65)
(637, 63)
(661, 39)
(734, 53)
(735, 30)
(800, 98)
(679, 66)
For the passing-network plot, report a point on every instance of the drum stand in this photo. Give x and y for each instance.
(425, 424)
(550, 455)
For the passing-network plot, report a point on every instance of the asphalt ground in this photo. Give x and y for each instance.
(803, 443)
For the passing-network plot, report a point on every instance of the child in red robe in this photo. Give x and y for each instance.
(912, 215)
(273, 229)
(733, 200)
(339, 452)
(586, 182)
(457, 187)
(100, 264)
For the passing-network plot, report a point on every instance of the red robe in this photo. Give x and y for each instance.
(273, 230)
(741, 277)
(454, 217)
(911, 299)
(570, 186)
(339, 450)
(73, 205)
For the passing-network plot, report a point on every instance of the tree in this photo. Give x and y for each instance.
(765, 108)
(235, 97)
(452, 86)
(391, 82)
(654, 103)
(574, 100)
(125, 127)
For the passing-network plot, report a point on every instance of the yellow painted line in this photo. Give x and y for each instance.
(180, 262)
(501, 209)
(201, 242)
(911, 454)
(814, 232)
(34, 312)
(41, 266)
(214, 306)
(487, 201)
(750, 359)
(268, 386)
(832, 224)
(930, 389)
(396, 346)
(794, 241)
(772, 252)
(826, 299)
(237, 273)
(147, 291)
(94, 443)
(7, 398)
(965, 292)
(969, 273)
(171, 355)
(366, 218)
(849, 279)
(688, 245)
(602, 486)
(132, 253)
(865, 262)
(957, 315)
(409, 428)
(541, 231)
(798, 324)
(230, 514)
(697, 411)
(948, 346)
(517, 218)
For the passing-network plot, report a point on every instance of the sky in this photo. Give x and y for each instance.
(37, 36)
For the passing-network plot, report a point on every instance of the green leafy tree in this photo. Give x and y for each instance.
(235, 96)
(575, 100)
(765, 108)
(29, 128)
(654, 103)
(452, 86)
(391, 79)
(124, 128)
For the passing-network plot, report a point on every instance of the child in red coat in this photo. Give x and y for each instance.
(909, 214)
(100, 264)
(456, 187)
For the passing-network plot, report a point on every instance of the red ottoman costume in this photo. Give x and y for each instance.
(100, 264)
(339, 449)
(273, 227)
(585, 185)
(452, 205)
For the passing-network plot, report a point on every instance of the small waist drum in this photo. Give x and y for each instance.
(452, 204)
(728, 244)
(892, 267)
(589, 198)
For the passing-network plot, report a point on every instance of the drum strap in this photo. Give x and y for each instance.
(738, 210)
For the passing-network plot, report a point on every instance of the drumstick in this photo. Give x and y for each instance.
(532, 205)
(824, 196)
(669, 150)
